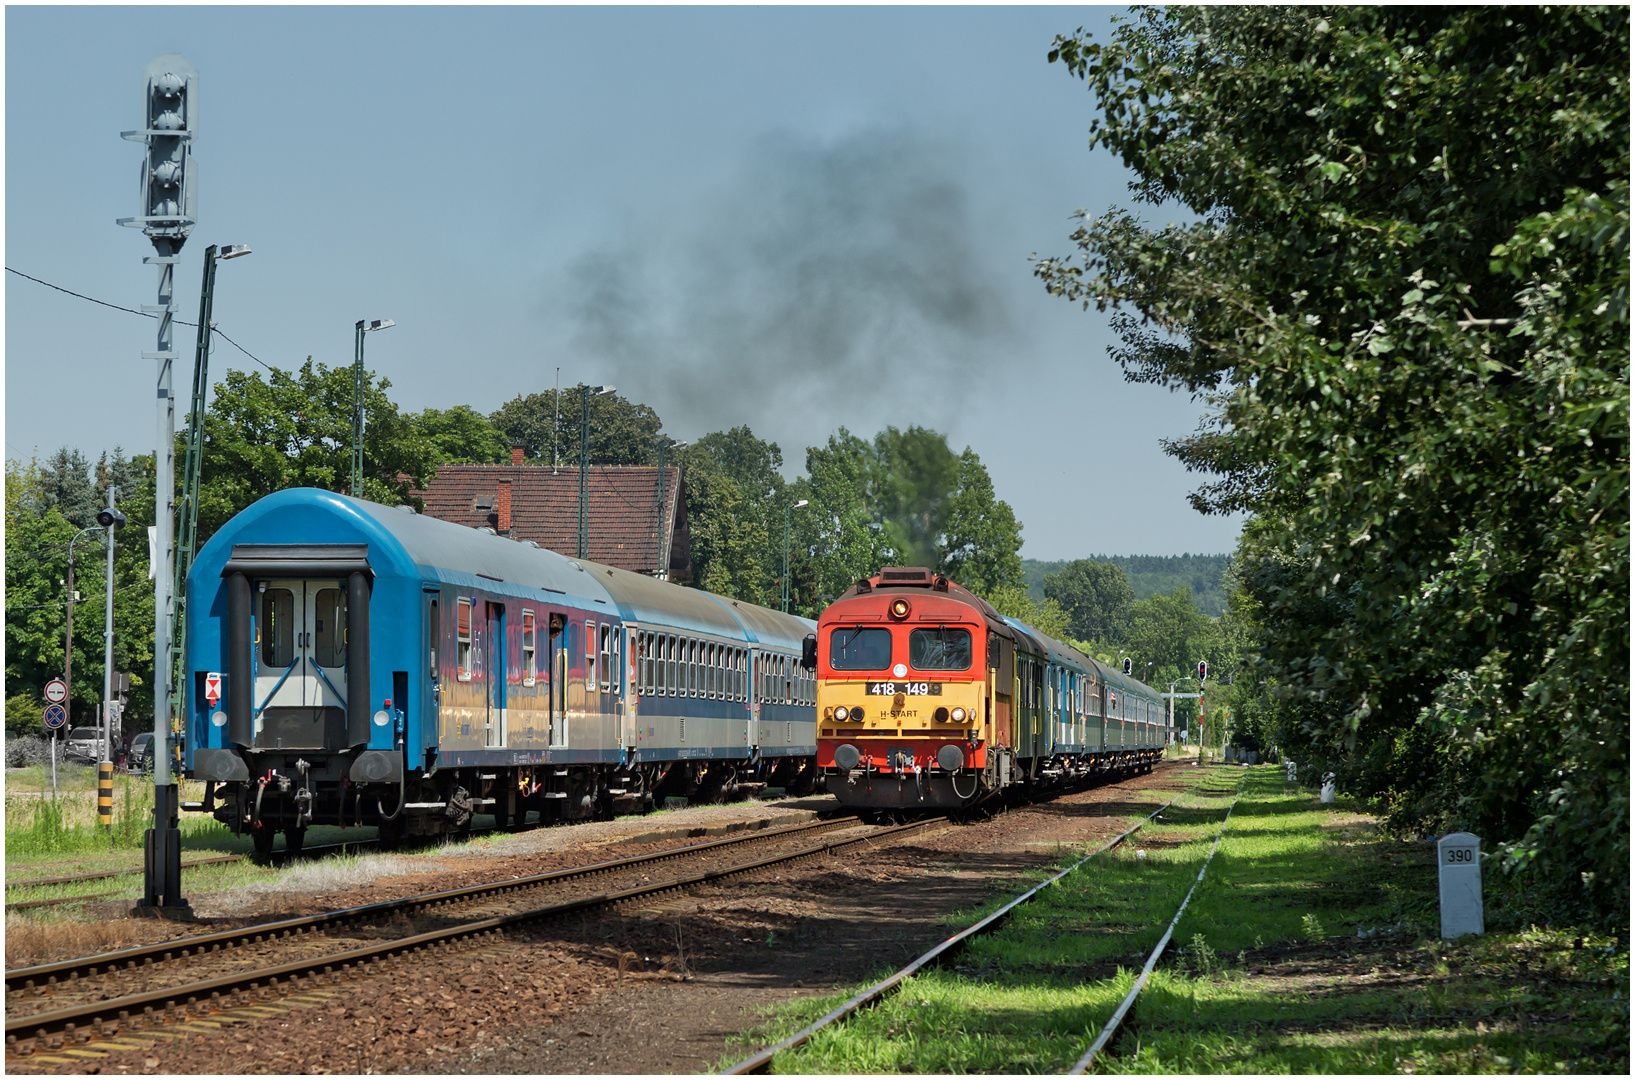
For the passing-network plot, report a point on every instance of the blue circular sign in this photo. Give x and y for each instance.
(55, 716)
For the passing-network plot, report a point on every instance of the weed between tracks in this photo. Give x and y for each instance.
(1267, 972)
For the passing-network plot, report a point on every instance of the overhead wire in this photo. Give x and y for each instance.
(214, 329)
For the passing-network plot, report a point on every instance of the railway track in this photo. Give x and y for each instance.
(761, 1061)
(121, 1009)
(278, 859)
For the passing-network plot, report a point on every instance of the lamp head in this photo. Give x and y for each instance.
(232, 251)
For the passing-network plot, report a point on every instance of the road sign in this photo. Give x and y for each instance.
(56, 692)
(212, 686)
(55, 716)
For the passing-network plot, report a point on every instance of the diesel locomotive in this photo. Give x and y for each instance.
(349, 663)
(928, 698)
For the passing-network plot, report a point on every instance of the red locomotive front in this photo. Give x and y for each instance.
(914, 693)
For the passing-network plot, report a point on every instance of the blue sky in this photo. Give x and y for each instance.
(791, 218)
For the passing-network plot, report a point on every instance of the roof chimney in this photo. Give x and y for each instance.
(516, 453)
(502, 509)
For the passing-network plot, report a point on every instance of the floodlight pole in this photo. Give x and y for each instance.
(360, 383)
(787, 507)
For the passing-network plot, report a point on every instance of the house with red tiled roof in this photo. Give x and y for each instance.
(635, 516)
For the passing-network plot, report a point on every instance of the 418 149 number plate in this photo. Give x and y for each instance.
(907, 689)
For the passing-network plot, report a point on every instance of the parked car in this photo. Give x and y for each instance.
(84, 744)
(140, 758)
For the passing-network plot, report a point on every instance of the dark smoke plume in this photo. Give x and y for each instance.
(826, 281)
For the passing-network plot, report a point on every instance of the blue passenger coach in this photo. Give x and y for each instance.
(355, 664)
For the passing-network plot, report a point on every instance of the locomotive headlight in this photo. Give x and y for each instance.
(958, 715)
(900, 608)
(218, 718)
(841, 713)
(382, 719)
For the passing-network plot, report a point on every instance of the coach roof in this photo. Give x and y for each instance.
(400, 544)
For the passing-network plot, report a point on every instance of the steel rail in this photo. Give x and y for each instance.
(759, 1062)
(84, 1019)
(1117, 1018)
(24, 905)
(50, 974)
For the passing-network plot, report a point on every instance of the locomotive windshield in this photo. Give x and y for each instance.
(858, 648)
(946, 648)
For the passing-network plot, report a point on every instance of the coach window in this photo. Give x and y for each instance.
(278, 628)
(715, 670)
(590, 655)
(431, 645)
(602, 652)
(462, 640)
(528, 670)
(329, 626)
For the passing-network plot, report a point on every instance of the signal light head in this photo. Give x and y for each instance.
(900, 608)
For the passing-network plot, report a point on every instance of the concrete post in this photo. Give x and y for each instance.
(1459, 877)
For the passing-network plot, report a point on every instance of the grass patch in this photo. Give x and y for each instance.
(1310, 948)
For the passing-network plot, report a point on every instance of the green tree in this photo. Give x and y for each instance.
(982, 540)
(1096, 597)
(837, 533)
(64, 484)
(36, 542)
(295, 430)
(1405, 295)
(463, 435)
(916, 479)
(735, 499)
(622, 432)
(1045, 616)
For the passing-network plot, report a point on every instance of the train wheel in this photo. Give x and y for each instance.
(262, 837)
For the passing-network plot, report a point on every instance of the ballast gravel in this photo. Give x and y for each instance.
(649, 989)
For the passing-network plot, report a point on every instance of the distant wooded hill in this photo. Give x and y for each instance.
(1150, 575)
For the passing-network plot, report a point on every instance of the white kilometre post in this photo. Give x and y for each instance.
(1459, 876)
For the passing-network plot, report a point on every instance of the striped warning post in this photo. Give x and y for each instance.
(105, 794)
